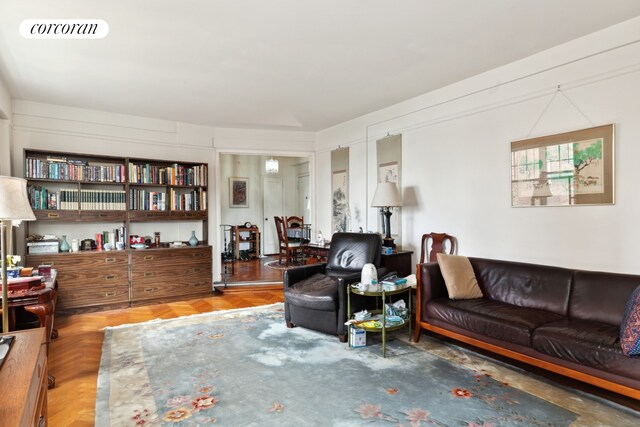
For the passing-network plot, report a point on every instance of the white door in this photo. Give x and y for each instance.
(304, 200)
(272, 205)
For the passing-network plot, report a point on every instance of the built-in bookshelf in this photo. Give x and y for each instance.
(68, 190)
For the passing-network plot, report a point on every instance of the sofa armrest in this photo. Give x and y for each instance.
(430, 286)
(432, 282)
(295, 275)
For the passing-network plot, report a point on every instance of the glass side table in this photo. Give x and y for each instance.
(382, 295)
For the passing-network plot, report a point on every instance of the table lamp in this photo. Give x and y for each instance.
(386, 197)
(14, 206)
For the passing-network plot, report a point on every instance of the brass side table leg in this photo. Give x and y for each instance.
(384, 324)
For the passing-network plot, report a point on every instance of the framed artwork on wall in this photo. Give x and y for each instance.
(340, 201)
(238, 192)
(567, 169)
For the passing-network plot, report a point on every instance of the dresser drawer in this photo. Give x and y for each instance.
(93, 294)
(81, 261)
(151, 288)
(167, 271)
(154, 258)
(37, 388)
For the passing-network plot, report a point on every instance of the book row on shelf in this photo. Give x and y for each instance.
(145, 200)
(73, 170)
(42, 198)
(63, 169)
(168, 175)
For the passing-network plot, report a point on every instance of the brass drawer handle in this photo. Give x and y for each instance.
(109, 260)
(148, 289)
(53, 215)
(148, 257)
(197, 270)
(198, 255)
(148, 273)
(102, 215)
(48, 263)
(110, 276)
(110, 294)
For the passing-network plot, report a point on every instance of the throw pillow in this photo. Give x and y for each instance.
(630, 328)
(459, 277)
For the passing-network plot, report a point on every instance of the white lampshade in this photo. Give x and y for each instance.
(386, 195)
(271, 165)
(14, 203)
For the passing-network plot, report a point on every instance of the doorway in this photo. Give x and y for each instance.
(273, 205)
(285, 192)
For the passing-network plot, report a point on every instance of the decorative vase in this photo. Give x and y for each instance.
(193, 240)
(64, 245)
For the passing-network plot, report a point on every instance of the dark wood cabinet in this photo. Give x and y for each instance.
(399, 261)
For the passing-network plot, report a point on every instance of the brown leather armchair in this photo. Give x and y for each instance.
(315, 296)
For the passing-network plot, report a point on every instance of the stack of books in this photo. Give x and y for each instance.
(393, 283)
(362, 315)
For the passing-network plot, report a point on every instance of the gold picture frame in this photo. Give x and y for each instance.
(565, 169)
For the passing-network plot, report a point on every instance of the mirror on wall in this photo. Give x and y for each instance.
(389, 169)
(340, 211)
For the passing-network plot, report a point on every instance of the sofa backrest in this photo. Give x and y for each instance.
(601, 296)
(526, 285)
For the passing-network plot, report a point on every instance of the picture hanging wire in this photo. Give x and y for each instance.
(560, 91)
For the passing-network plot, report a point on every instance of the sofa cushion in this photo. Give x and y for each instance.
(630, 328)
(526, 285)
(589, 343)
(601, 296)
(459, 277)
(496, 319)
(318, 292)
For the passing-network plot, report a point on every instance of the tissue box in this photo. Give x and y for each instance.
(357, 337)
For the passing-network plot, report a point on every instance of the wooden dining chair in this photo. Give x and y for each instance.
(289, 249)
(434, 243)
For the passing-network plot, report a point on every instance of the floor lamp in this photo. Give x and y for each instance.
(14, 206)
(386, 197)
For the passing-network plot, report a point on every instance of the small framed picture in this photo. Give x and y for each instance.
(238, 192)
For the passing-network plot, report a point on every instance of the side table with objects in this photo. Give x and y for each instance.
(36, 295)
(388, 317)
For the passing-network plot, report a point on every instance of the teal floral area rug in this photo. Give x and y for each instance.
(245, 368)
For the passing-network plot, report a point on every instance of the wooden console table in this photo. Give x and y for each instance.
(23, 380)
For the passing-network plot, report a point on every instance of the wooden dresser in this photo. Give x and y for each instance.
(23, 381)
(101, 280)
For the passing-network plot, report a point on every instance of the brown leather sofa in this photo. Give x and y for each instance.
(563, 320)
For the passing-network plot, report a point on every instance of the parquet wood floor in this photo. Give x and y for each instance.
(74, 357)
(254, 271)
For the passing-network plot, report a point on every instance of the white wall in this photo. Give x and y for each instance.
(5, 128)
(456, 155)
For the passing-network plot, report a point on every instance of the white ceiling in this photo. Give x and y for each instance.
(279, 64)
